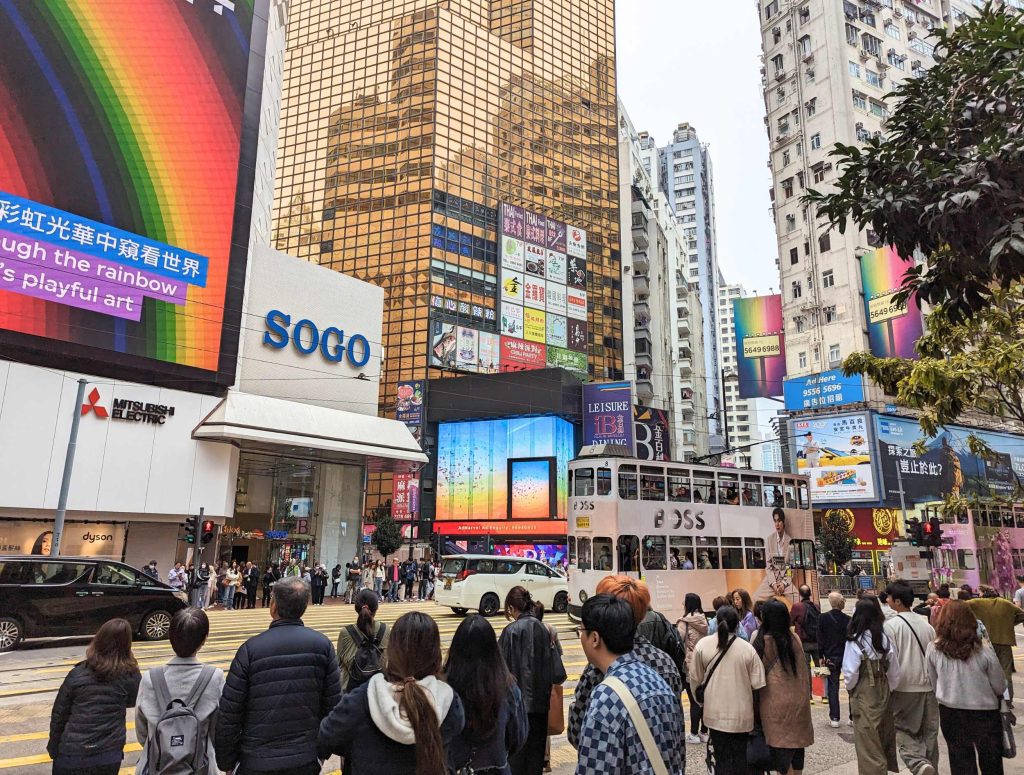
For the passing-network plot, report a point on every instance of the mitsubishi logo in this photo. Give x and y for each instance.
(91, 405)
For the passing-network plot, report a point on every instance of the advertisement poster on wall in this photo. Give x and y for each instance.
(522, 355)
(829, 388)
(760, 345)
(835, 453)
(465, 351)
(443, 343)
(947, 465)
(893, 329)
(81, 539)
(405, 496)
(608, 413)
(534, 326)
(409, 405)
(122, 178)
(650, 426)
(489, 352)
(559, 358)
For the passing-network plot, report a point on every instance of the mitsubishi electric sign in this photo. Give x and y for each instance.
(126, 409)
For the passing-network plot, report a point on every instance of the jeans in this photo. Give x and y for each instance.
(423, 589)
(974, 738)
(227, 597)
(199, 596)
(832, 690)
(334, 588)
(377, 584)
(393, 592)
(730, 752)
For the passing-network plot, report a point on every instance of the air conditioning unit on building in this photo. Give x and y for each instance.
(865, 55)
(780, 76)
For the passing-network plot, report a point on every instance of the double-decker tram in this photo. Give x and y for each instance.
(683, 527)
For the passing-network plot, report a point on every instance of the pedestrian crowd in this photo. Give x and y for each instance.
(387, 701)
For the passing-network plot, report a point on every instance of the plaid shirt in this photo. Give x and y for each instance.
(609, 743)
(643, 650)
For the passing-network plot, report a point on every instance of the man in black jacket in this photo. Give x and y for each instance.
(281, 684)
(832, 629)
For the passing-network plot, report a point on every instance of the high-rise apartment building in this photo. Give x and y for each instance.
(828, 65)
(687, 178)
(406, 123)
(740, 425)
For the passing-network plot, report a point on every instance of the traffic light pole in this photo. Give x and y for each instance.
(903, 503)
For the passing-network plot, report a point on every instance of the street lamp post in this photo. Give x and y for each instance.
(69, 464)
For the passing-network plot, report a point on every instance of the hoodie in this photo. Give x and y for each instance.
(368, 730)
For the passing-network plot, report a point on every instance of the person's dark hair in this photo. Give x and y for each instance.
(805, 592)
(901, 590)
(943, 591)
(37, 547)
(189, 629)
(868, 618)
(956, 631)
(728, 621)
(745, 601)
(291, 594)
(692, 604)
(883, 597)
(476, 671)
(1020, 579)
(518, 601)
(718, 602)
(986, 591)
(109, 655)
(778, 515)
(612, 619)
(365, 603)
(538, 610)
(414, 653)
(775, 622)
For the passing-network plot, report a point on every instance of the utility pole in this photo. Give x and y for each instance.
(69, 464)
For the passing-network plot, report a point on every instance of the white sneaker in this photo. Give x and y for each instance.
(834, 724)
(704, 737)
(692, 739)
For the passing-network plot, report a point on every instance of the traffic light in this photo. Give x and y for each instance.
(191, 523)
(934, 532)
(207, 531)
(915, 533)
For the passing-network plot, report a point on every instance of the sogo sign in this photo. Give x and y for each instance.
(306, 338)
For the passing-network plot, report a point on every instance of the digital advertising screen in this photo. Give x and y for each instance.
(125, 189)
(501, 469)
(761, 346)
(893, 328)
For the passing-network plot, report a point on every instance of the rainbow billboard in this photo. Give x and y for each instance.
(125, 184)
(760, 345)
(893, 329)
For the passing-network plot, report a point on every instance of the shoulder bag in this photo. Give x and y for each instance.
(639, 723)
(556, 702)
(698, 693)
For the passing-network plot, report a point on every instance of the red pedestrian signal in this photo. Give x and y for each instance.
(208, 527)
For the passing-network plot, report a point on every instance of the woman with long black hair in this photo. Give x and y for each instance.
(496, 721)
(352, 636)
(785, 712)
(536, 666)
(400, 721)
(870, 670)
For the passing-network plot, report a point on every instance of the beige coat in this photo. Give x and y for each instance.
(785, 711)
(729, 697)
(691, 629)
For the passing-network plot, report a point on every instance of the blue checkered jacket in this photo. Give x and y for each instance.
(609, 743)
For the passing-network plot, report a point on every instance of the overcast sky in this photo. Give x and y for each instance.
(697, 61)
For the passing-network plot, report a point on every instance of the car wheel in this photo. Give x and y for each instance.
(460, 611)
(561, 604)
(11, 633)
(156, 625)
(489, 604)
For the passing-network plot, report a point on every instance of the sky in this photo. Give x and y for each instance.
(698, 61)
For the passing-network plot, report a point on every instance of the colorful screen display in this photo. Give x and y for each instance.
(760, 346)
(473, 466)
(549, 554)
(893, 329)
(121, 163)
(531, 488)
(835, 453)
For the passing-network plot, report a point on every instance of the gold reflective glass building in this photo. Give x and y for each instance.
(404, 123)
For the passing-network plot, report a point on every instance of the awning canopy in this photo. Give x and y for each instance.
(270, 424)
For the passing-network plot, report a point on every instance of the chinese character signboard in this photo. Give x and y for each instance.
(122, 177)
(405, 496)
(893, 328)
(829, 388)
(651, 429)
(760, 344)
(608, 413)
(835, 453)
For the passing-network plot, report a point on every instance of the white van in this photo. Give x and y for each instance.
(481, 581)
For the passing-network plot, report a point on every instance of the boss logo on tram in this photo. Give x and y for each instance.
(687, 519)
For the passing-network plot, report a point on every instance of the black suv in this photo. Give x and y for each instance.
(49, 597)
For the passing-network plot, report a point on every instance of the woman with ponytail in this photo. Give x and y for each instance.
(401, 720)
(361, 646)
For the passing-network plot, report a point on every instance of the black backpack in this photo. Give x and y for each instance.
(666, 637)
(366, 662)
(812, 621)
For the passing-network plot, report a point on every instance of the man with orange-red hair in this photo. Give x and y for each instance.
(638, 596)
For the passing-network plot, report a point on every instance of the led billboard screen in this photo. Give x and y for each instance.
(124, 185)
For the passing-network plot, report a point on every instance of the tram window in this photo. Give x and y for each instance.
(750, 493)
(571, 550)
(728, 489)
(652, 483)
(654, 553)
(790, 491)
(604, 481)
(679, 485)
(629, 554)
(732, 553)
(804, 500)
(703, 490)
(1016, 559)
(754, 549)
(603, 554)
(801, 555)
(584, 559)
(627, 483)
(680, 553)
(1020, 518)
(584, 483)
(1007, 518)
(963, 517)
(707, 553)
(772, 491)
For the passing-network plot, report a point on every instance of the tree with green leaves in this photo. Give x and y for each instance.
(387, 538)
(835, 543)
(946, 181)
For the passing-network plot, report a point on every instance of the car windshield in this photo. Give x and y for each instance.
(453, 566)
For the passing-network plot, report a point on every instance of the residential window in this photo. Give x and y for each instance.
(878, 109)
(852, 34)
(860, 101)
(854, 69)
(797, 289)
(780, 95)
(921, 47)
(790, 223)
(830, 313)
(771, 9)
(794, 256)
(800, 324)
(785, 158)
(787, 187)
(893, 31)
(873, 78)
(827, 279)
(895, 60)
(833, 353)
(801, 359)
(812, 106)
(815, 141)
(777, 63)
(824, 243)
(818, 171)
(871, 44)
(777, 34)
(805, 45)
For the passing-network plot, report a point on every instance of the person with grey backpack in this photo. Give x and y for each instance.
(176, 712)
